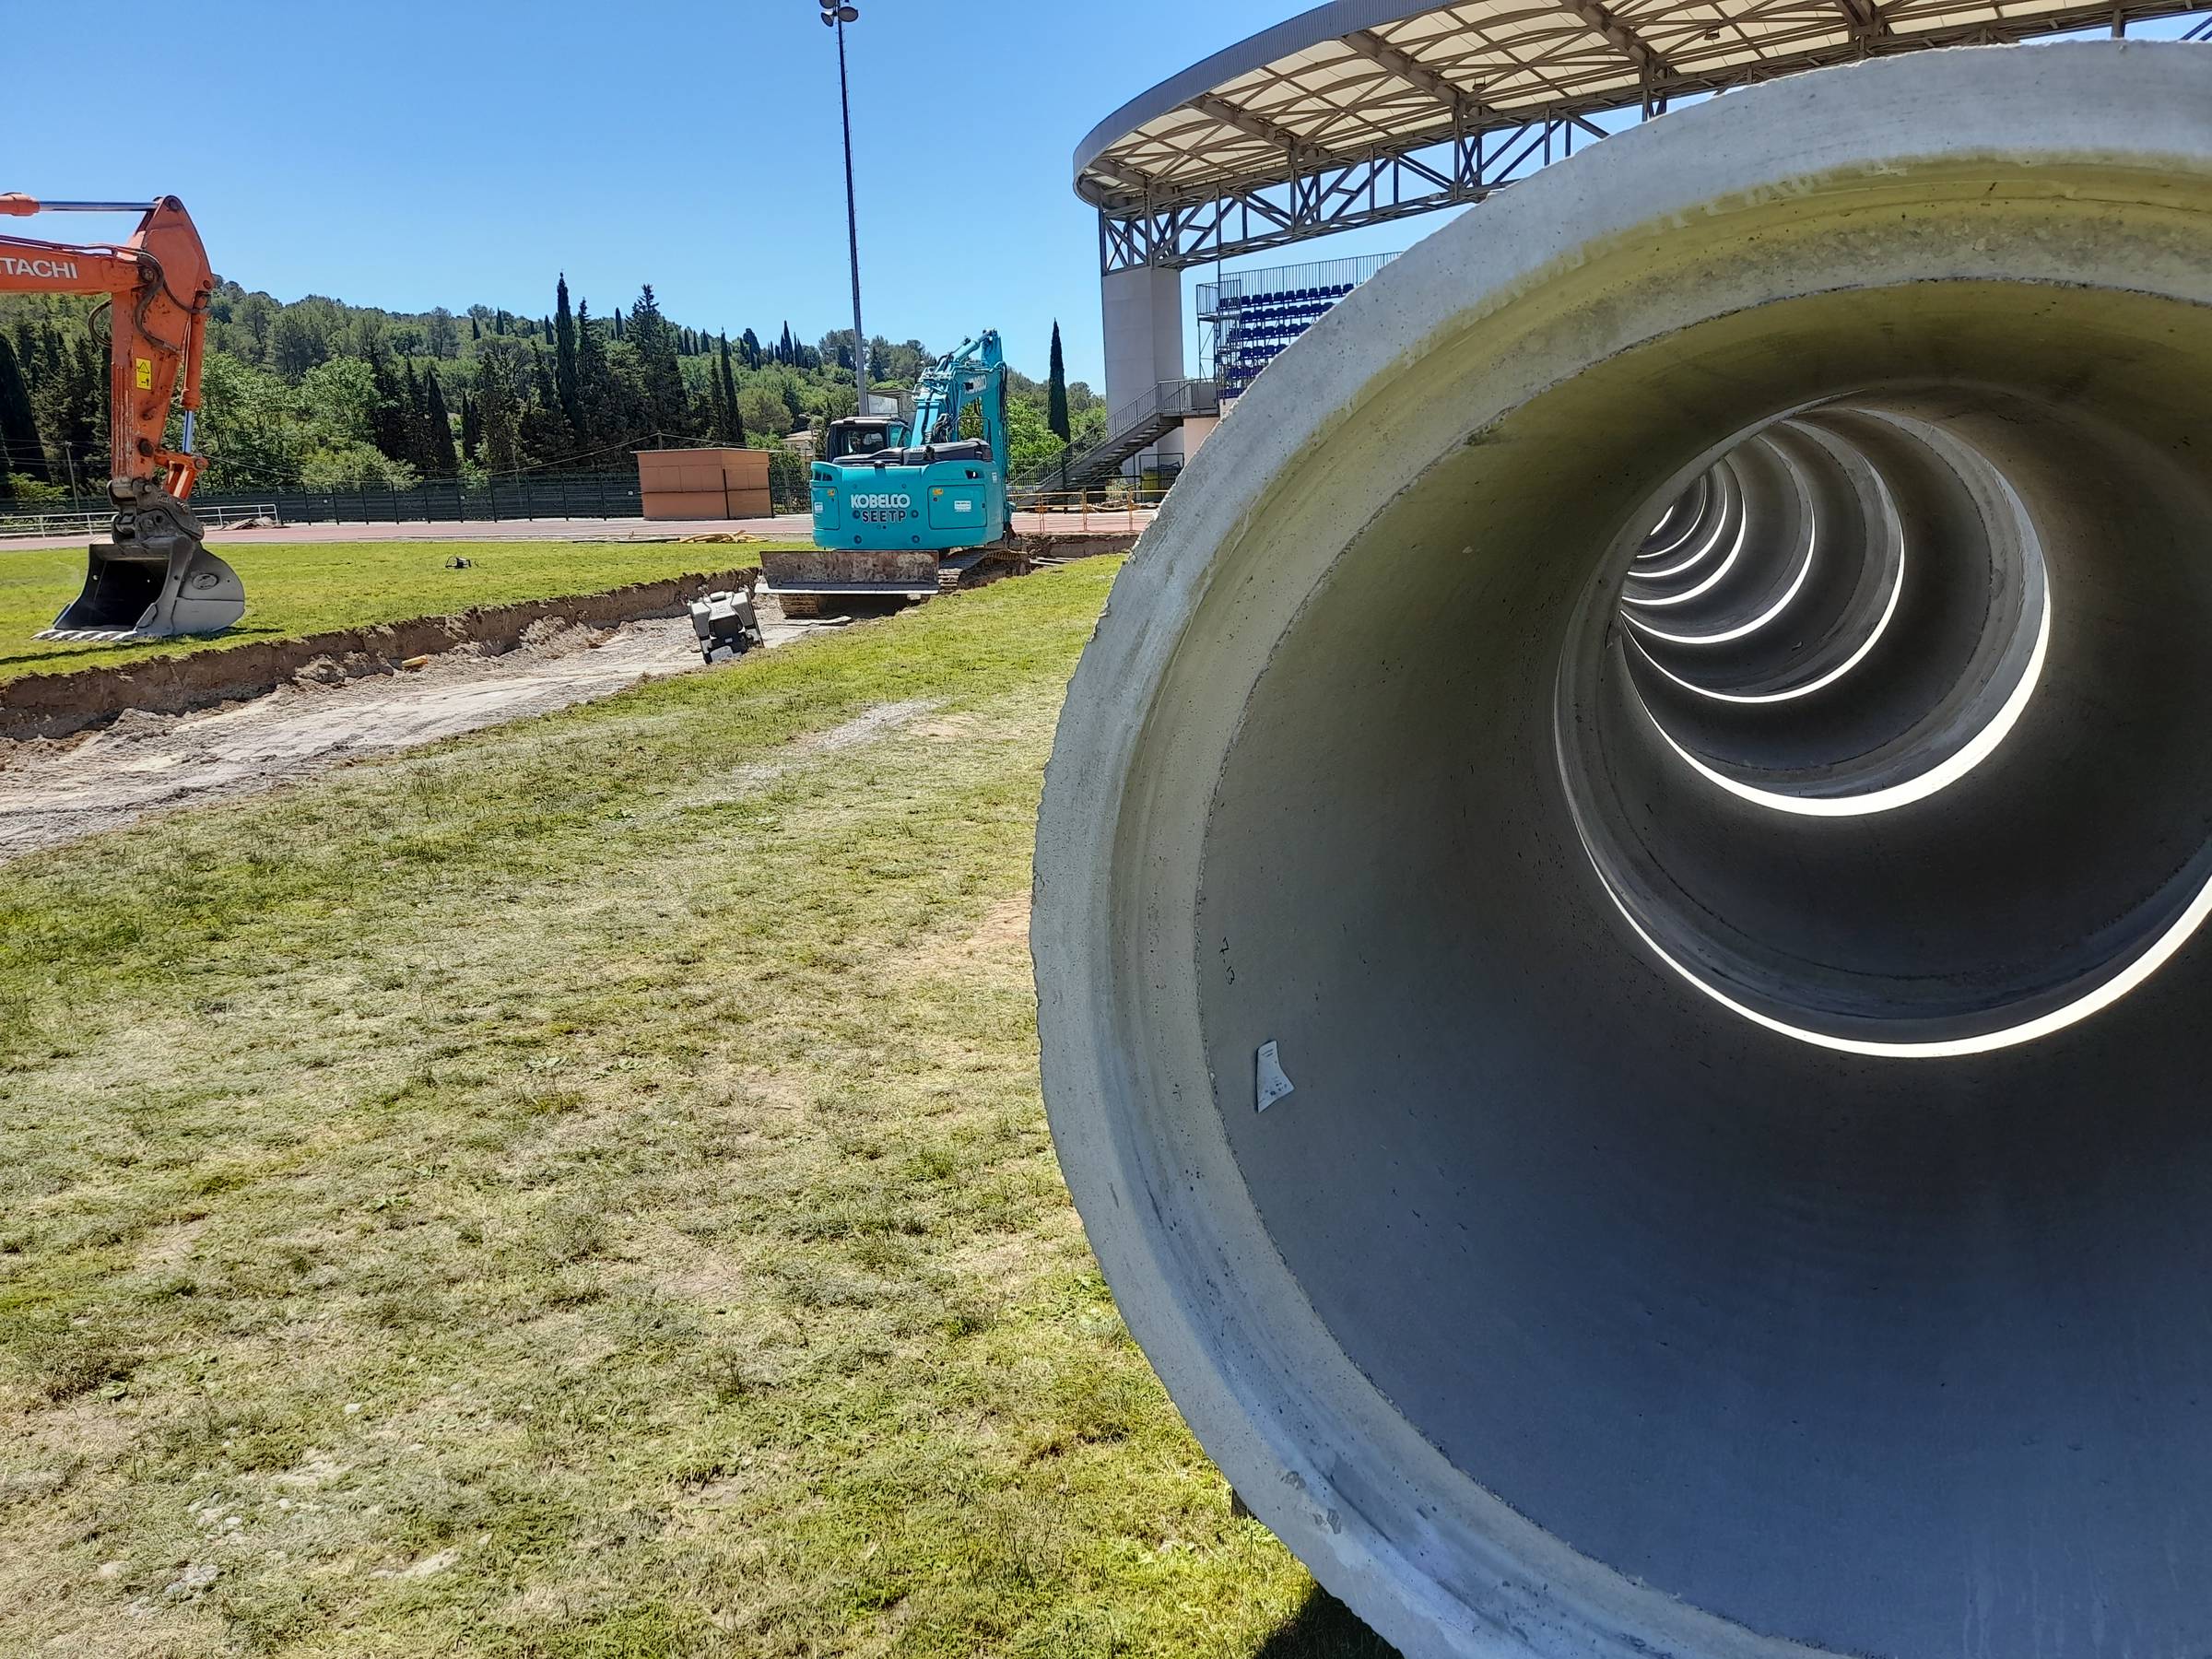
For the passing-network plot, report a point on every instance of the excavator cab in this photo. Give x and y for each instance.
(152, 578)
(857, 437)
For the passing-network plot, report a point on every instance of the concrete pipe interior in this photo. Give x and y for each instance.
(1681, 713)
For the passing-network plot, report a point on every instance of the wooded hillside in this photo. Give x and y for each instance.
(319, 394)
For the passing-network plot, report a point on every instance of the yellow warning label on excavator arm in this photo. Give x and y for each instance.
(146, 373)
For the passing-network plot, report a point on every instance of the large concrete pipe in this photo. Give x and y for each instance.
(1674, 723)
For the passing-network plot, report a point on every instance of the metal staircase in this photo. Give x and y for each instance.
(1130, 430)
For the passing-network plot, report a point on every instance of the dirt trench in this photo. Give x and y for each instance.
(53, 791)
(59, 704)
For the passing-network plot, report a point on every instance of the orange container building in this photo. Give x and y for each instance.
(703, 483)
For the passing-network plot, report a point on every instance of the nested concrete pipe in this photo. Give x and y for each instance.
(1680, 712)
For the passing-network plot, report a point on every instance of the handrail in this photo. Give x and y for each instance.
(87, 523)
(1239, 287)
(1074, 510)
(1167, 400)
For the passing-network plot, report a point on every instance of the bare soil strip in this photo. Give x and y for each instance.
(56, 705)
(55, 790)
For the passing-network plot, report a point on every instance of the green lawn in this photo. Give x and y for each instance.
(294, 588)
(582, 1191)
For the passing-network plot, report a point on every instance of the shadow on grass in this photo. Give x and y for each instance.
(1325, 1628)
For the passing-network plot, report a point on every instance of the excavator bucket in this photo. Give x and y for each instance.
(150, 579)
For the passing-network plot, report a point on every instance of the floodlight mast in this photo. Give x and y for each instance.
(836, 17)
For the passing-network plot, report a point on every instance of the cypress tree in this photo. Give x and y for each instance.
(18, 427)
(618, 322)
(68, 398)
(598, 419)
(1056, 409)
(545, 430)
(389, 421)
(472, 428)
(751, 342)
(718, 408)
(438, 423)
(411, 407)
(503, 437)
(564, 353)
(476, 329)
(726, 389)
(785, 353)
(92, 360)
(669, 406)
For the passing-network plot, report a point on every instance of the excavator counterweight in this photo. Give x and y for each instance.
(153, 577)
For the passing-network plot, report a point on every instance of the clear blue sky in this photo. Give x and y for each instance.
(413, 154)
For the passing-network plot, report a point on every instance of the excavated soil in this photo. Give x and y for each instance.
(58, 704)
(326, 713)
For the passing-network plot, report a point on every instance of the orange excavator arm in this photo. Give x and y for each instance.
(153, 577)
(159, 282)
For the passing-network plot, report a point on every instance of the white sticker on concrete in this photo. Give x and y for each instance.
(1272, 1083)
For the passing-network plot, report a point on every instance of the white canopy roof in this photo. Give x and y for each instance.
(1361, 77)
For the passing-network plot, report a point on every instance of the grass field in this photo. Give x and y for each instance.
(582, 1191)
(308, 587)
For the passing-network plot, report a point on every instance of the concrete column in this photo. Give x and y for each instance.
(1142, 310)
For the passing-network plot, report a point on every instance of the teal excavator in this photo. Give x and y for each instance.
(904, 508)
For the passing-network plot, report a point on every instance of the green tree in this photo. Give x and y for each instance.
(761, 409)
(667, 405)
(18, 427)
(339, 397)
(720, 410)
(391, 426)
(1027, 436)
(751, 342)
(1055, 412)
(251, 431)
(597, 399)
(439, 428)
(418, 448)
(68, 398)
(296, 344)
(726, 399)
(498, 409)
(472, 429)
(564, 353)
(546, 435)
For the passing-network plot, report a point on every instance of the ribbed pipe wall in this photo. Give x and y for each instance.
(1675, 717)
